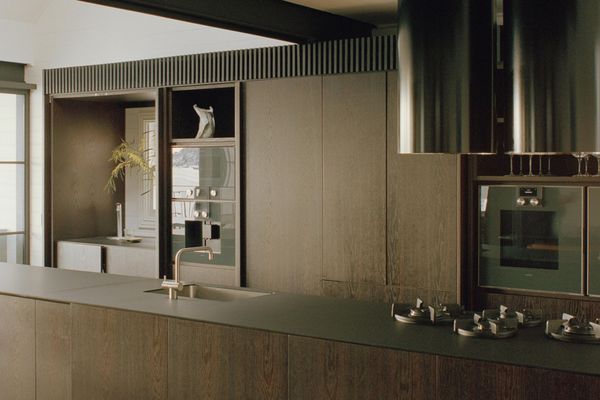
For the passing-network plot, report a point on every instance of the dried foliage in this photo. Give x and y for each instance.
(127, 155)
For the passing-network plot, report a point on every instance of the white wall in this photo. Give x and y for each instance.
(57, 33)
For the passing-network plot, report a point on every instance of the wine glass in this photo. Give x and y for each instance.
(596, 155)
(579, 156)
(530, 165)
(512, 172)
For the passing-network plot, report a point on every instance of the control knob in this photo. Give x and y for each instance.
(198, 214)
(521, 201)
(534, 201)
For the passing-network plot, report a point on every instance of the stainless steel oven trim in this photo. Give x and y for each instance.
(529, 290)
(587, 252)
(584, 227)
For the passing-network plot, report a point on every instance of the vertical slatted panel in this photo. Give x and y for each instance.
(333, 57)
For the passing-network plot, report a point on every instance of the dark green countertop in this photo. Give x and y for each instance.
(318, 317)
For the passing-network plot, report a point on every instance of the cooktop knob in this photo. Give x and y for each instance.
(534, 201)
(521, 201)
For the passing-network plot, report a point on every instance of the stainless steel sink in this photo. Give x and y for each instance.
(213, 293)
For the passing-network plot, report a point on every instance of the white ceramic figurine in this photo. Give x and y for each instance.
(206, 127)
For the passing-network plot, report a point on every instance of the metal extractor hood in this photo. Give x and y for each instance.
(553, 65)
(445, 75)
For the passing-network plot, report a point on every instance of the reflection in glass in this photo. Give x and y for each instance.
(12, 127)
(198, 170)
(12, 248)
(12, 197)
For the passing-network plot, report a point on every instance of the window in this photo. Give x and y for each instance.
(13, 177)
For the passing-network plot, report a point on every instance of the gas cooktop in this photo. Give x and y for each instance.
(423, 314)
(497, 323)
(575, 330)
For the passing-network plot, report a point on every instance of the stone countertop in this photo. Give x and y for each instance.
(327, 318)
(146, 243)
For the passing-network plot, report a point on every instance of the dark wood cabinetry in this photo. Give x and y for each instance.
(321, 369)
(284, 184)
(118, 354)
(63, 351)
(209, 361)
(331, 207)
(17, 348)
(354, 176)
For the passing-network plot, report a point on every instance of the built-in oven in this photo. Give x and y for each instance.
(203, 203)
(532, 237)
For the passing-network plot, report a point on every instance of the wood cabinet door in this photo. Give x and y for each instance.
(327, 370)
(118, 354)
(354, 177)
(283, 184)
(17, 348)
(217, 362)
(52, 351)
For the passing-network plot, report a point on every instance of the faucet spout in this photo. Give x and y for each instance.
(119, 209)
(174, 285)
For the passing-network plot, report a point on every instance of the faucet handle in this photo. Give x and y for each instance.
(171, 284)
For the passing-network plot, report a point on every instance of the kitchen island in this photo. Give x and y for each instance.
(99, 336)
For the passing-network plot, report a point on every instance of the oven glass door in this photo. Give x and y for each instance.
(531, 245)
(594, 241)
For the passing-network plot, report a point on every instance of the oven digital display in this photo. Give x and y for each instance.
(528, 192)
(528, 239)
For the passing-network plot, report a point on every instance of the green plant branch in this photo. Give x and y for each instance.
(127, 155)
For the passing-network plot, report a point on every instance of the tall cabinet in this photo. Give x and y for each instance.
(205, 180)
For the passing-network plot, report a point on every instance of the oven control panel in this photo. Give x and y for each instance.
(530, 196)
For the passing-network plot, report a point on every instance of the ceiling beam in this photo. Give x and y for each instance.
(272, 18)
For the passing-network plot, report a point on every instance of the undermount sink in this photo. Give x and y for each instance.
(193, 291)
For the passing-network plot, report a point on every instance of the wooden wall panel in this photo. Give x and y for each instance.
(354, 179)
(83, 136)
(283, 184)
(218, 362)
(552, 308)
(422, 212)
(118, 354)
(470, 380)
(52, 351)
(320, 369)
(17, 348)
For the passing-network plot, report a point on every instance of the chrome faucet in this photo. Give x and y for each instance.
(174, 285)
(119, 209)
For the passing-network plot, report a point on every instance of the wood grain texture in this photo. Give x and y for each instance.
(218, 362)
(17, 348)
(320, 369)
(118, 354)
(360, 291)
(52, 351)
(354, 177)
(469, 380)
(84, 134)
(552, 308)
(422, 204)
(385, 293)
(283, 184)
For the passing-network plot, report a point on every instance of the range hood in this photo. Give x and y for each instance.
(445, 76)
(553, 65)
(447, 57)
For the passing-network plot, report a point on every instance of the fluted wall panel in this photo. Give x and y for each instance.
(325, 58)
